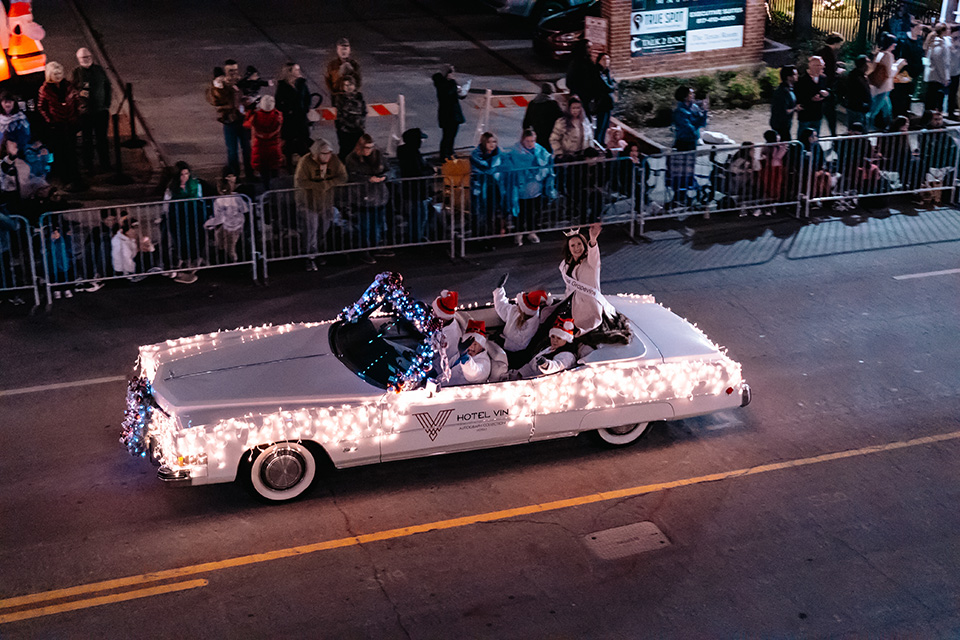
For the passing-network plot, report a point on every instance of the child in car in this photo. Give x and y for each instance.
(560, 355)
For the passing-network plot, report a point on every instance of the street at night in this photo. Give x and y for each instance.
(824, 508)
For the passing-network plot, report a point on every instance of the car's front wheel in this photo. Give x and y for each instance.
(623, 435)
(283, 471)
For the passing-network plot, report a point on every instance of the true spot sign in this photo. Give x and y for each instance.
(685, 26)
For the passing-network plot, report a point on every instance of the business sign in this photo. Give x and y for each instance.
(595, 32)
(685, 26)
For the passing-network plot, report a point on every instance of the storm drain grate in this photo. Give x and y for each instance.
(628, 540)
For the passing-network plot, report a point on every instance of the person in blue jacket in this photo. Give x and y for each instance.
(486, 185)
(529, 181)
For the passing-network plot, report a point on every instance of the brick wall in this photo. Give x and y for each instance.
(624, 66)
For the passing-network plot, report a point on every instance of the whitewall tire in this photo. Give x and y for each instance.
(283, 471)
(623, 435)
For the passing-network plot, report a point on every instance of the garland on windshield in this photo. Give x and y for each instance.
(387, 288)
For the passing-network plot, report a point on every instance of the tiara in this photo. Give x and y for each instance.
(572, 232)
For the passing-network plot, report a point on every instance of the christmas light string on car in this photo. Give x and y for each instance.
(593, 386)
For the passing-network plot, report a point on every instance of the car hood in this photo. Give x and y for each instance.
(226, 372)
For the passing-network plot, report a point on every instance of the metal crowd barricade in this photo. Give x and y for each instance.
(847, 168)
(132, 241)
(17, 264)
(358, 217)
(732, 179)
(516, 202)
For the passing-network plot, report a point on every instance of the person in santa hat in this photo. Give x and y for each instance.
(472, 365)
(560, 355)
(521, 319)
(445, 308)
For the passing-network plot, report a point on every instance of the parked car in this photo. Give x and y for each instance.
(268, 404)
(557, 34)
(536, 10)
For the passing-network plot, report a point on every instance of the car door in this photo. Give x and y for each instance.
(421, 422)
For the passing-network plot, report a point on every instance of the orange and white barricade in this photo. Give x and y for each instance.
(377, 110)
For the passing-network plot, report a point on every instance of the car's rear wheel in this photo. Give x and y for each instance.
(283, 471)
(621, 436)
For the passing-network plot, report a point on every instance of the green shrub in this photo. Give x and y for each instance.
(769, 79)
(743, 91)
(704, 86)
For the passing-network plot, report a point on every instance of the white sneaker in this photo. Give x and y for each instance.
(518, 240)
(67, 293)
(533, 238)
(56, 294)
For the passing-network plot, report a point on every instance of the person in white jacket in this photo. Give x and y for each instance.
(560, 355)
(125, 245)
(580, 271)
(229, 215)
(521, 319)
(472, 366)
(445, 308)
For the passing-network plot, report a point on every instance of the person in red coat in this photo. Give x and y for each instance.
(59, 104)
(265, 123)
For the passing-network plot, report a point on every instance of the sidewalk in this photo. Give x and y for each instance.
(168, 56)
(65, 35)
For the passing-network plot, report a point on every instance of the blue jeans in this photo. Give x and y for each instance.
(235, 134)
(370, 222)
(809, 124)
(880, 104)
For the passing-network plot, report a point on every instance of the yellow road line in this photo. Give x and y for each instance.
(26, 614)
(453, 523)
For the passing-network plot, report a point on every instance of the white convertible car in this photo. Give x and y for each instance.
(266, 404)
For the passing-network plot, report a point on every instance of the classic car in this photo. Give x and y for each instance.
(268, 404)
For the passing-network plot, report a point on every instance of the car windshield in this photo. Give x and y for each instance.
(378, 349)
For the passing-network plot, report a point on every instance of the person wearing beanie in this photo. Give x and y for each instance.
(542, 113)
(416, 196)
(265, 123)
(520, 319)
(449, 113)
(445, 308)
(341, 66)
(315, 180)
(472, 365)
(560, 355)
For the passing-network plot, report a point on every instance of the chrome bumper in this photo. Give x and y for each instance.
(746, 395)
(167, 474)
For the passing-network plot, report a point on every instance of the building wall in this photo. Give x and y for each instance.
(624, 66)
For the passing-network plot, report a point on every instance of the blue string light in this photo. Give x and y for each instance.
(387, 289)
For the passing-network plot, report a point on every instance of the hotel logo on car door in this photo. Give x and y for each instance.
(433, 425)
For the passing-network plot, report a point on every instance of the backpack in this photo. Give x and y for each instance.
(879, 75)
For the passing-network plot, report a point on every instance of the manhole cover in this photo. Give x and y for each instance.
(628, 540)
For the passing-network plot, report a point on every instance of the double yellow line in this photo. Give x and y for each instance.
(24, 608)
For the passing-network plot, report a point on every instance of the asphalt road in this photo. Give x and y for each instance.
(764, 534)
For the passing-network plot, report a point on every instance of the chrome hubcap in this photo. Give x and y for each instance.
(622, 431)
(283, 469)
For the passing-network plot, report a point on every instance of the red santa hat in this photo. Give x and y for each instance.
(563, 328)
(445, 306)
(532, 301)
(477, 329)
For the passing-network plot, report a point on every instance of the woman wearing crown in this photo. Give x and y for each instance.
(580, 270)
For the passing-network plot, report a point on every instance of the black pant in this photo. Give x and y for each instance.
(934, 98)
(952, 94)
(93, 131)
(448, 140)
(347, 140)
(901, 97)
(830, 113)
(63, 145)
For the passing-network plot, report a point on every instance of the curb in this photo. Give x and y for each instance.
(152, 150)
